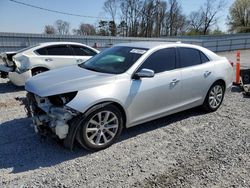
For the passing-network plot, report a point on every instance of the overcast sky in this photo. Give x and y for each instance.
(19, 18)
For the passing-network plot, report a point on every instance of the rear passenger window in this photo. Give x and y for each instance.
(160, 61)
(42, 51)
(190, 57)
(59, 50)
(83, 51)
(204, 58)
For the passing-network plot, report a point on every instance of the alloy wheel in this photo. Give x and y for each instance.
(215, 96)
(102, 128)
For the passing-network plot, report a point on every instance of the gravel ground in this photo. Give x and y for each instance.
(188, 149)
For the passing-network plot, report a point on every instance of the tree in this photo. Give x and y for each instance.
(217, 31)
(209, 13)
(239, 16)
(148, 15)
(112, 28)
(110, 6)
(131, 14)
(103, 28)
(201, 21)
(85, 29)
(195, 23)
(122, 28)
(49, 29)
(62, 27)
(175, 21)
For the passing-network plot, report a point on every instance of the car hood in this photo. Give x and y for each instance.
(67, 79)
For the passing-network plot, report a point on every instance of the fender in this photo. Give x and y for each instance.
(75, 123)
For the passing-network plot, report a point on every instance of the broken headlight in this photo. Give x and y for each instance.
(62, 99)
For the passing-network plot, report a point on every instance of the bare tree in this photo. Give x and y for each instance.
(201, 21)
(49, 29)
(195, 22)
(210, 12)
(131, 11)
(148, 14)
(111, 6)
(239, 16)
(85, 29)
(161, 14)
(174, 19)
(62, 27)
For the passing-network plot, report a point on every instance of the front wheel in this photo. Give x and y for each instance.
(101, 128)
(214, 97)
(38, 71)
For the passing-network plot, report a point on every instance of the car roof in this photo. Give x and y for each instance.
(148, 45)
(58, 43)
(151, 45)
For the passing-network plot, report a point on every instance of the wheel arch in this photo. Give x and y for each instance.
(105, 103)
(220, 81)
(76, 122)
(39, 68)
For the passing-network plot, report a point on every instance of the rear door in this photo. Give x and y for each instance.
(56, 56)
(82, 53)
(197, 75)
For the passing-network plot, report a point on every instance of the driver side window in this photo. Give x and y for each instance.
(161, 60)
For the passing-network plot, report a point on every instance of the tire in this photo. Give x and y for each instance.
(214, 97)
(101, 128)
(38, 71)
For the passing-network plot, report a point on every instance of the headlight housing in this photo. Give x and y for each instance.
(62, 99)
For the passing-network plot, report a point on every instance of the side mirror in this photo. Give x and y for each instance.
(144, 73)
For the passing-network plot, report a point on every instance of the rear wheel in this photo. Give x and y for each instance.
(214, 97)
(101, 128)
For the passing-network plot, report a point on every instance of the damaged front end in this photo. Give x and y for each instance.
(6, 64)
(50, 114)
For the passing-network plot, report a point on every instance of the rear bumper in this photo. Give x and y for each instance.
(19, 79)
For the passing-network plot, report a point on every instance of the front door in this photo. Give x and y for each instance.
(150, 98)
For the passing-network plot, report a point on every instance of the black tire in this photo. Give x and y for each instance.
(84, 137)
(207, 106)
(37, 71)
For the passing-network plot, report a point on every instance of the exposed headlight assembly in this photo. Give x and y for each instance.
(62, 99)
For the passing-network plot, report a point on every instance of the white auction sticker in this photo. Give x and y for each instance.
(137, 51)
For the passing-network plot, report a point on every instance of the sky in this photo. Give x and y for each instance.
(22, 19)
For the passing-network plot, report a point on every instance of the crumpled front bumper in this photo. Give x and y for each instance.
(49, 118)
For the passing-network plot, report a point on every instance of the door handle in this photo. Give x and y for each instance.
(174, 81)
(79, 60)
(48, 59)
(207, 73)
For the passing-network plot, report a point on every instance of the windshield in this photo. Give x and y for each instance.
(115, 60)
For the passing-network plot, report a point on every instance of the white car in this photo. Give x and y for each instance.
(21, 65)
(124, 86)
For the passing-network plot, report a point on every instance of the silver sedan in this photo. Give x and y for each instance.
(124, 86)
